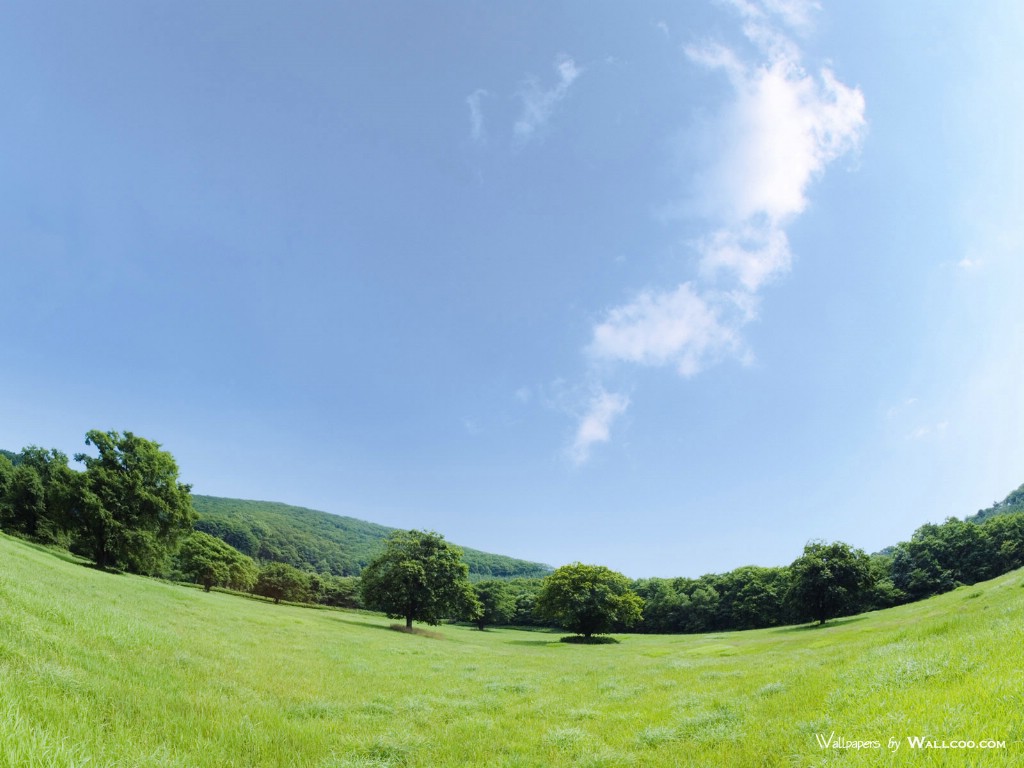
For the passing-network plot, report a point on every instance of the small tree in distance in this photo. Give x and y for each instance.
(589, 599)
(419, 577)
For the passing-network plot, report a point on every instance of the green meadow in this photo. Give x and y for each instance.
(100, 669)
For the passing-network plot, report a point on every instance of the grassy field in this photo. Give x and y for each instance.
(112, 670)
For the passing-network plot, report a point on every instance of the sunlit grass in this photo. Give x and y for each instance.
(112, 670)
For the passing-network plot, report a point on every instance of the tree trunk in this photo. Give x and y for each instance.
(408, 621)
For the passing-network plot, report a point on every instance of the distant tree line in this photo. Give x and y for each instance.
(832, 580)
(127, 510)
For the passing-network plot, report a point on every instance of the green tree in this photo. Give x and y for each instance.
(213, 563)
(52, 520)
(752, 596)
(6, 478)
(134, 511)
(242, 573)
(25, 502)
(419, 577)
(829, 580)
(496, 603)
(337, 591)
(281, 581)
(589, 599)
(666, 605)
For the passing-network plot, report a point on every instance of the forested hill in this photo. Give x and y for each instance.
(268, 530)
(1012, 503)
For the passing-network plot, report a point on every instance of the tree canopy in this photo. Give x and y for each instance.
(213, 563)
(419, 577)
(589, 599)
(134, 511)
(829, 580)
(495, 603)
(280, 581)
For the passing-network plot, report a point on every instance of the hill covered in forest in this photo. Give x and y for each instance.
(1014, 502)
(327, 543)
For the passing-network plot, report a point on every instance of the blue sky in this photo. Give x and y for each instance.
(672, 288)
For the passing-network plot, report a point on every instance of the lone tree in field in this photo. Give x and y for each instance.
(589, 599)
(133, 510)
(419, 577)
(829, 580)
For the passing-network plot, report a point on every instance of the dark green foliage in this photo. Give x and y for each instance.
(419, 577)
(524, 594)
(829, 580)
(938, 558)
(280, 581)
(336, 591)
(496, 603)
(883, 592)
(211, 562)
(1014, 502)
(133, 511)
(6, 478)
(752, 596)
(589, 600)
(666, 605)
(322, 542)
(38, 495)
(1005, 535)
(26, 502)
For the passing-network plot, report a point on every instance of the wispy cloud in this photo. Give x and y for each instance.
(680, 327)
(595, 424)
(476, 115)
(539, 103)
(782, 128)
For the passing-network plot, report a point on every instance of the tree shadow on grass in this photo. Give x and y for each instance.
(533, 643)
(357, 623)
(827, 625)
(417, 631)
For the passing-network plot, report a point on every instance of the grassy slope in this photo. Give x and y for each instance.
(326, 542)
(115, 670)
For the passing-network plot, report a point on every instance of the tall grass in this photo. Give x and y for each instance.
(112, 670)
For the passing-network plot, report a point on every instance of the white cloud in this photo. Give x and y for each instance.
(783, 127)
(539, 104)
(778, 135)
(752, 254)
(792, 13)
(595, 425)
(680, 327)
(476, 114)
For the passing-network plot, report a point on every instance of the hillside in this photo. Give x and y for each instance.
(105, 669)
(268, 530)
(1014, 502)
